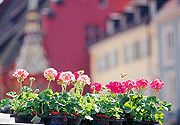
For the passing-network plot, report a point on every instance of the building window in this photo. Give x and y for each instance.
(128, 53)
(103, 4)
(92, 33)
(168, 46)
(107, 61)
(149, 46)
(114, 23)
(136, 50)
(113, 58)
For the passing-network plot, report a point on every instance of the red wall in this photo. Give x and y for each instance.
(65, 39)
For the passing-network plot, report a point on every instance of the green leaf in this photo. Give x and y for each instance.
(89, 106)
(110, 106)
(169, 107)
(97, 108)
(103, 111)
(161, 108)
(36, 91)
(127, 104)
(11, 94)
(5, 102)
(26, 89)
(164, 103)
(127, 110)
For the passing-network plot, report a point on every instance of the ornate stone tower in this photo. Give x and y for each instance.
(32, 55)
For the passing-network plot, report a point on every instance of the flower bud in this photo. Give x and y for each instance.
(80, 72)
(103, 87)
(108, 90)
(80, 89)
(93, 87)
(36, 91)
(32, 79)
(63, 85)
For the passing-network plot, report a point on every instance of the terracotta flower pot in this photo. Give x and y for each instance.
(35, 113)
(54, 112)
(101, 115)
(76, 114)
(64, 113)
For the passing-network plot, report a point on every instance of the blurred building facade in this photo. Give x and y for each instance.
(65, 27)
(147, 47)
(167, 22)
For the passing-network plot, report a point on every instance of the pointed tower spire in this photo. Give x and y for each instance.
(31, 56)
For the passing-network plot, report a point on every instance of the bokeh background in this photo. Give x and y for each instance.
(103, 37)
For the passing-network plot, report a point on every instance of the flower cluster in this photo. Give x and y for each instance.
(116, 87)
(141, 84)
(21, 74)
(50, 74)
(129, 84)
(84, 79)
(67, 76)
(157, 84)
(97, 87)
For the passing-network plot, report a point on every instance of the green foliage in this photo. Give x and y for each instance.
(146, 108)
(135, 105)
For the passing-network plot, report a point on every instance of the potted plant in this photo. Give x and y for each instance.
(123, 102)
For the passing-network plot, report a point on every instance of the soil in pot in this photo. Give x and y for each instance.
(101, 115)
(76, 114)
(64, 113)
(54, 113)
(35, 113)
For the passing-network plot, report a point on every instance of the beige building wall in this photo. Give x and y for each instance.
(144, 67)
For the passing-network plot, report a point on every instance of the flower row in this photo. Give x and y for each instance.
(122, 100)
(65, 78)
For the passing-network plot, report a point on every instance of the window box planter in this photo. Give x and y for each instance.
(28, 118)
(107, 121)
(130, 122)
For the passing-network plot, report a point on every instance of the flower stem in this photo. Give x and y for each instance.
(20, 86)
(62, 89)
(82, 91)
(49, 84)
(65, 88)
(155, 94)
(94, 91)
(30, 85)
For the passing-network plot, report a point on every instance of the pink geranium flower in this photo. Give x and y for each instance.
(141, 84)
(76, 75)
(116, 87)
(129, 84)
(20, 74)
(67, 77)
(156, 84)
(50, 74)
(57, 76)
(97, 87)
(84, 79)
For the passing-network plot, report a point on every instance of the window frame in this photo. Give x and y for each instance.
(165, 44)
